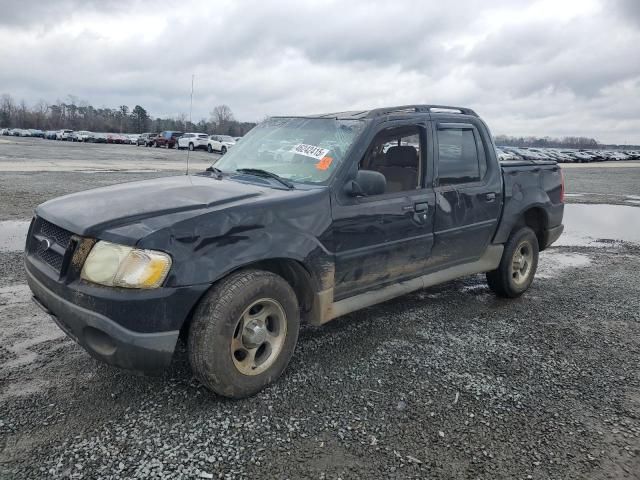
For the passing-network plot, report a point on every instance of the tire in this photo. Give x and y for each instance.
(223, 150)
(219, 355)
(508, 280)
(191, 147)
(155, 144)
(209, 149)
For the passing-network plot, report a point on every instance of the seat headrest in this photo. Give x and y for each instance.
(402, 156)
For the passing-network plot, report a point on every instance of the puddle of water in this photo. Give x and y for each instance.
(550, 264)
(13, 234)
(585, 224)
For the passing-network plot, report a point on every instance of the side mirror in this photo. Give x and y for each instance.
(366, 183)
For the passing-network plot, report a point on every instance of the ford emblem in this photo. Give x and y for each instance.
(45, 244)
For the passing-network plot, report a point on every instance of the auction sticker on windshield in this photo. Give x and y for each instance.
(310, 151)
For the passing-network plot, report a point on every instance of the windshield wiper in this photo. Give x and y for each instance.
(215, 170)
(258, 172)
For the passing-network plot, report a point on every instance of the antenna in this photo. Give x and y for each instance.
(190, 110)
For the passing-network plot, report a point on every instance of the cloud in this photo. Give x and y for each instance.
(530, 67)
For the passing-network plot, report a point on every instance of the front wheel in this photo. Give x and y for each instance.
(518, 265)
(243, 333)
(223, 150)
(209, 149)
(191, 147)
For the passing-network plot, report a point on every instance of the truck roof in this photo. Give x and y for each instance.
(397, 110)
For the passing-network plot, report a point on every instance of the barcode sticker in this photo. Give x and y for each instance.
(310, 151)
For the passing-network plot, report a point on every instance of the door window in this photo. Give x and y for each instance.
(396, 153)
(458, 157)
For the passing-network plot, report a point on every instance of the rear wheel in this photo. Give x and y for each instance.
(518, 265)
(191, 147)
(223, 150)
(209, 149)
(243, 333)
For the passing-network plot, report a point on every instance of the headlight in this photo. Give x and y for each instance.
(120, 266)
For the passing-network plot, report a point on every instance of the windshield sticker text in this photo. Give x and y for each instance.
(310, 151)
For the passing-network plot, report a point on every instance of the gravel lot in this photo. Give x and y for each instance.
(448, 382)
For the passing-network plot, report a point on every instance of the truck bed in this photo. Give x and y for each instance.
(534, 185)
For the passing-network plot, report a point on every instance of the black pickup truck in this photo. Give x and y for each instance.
(307, 219)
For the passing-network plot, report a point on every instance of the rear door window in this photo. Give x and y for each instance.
(460, 159)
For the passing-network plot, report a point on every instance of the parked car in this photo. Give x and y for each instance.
(63, 134)
(35, 132)
(236, 257)
(220, 143)
(99, 138)
(81, 136)
(145, 139)
(116, 138)
(132, 138)
(50, 135)
(4, 131)
(166, 139)
(504, 154)
(193, 141)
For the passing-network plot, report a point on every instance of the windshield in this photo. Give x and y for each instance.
(298, 149)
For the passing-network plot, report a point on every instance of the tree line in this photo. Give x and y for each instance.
(77, 114)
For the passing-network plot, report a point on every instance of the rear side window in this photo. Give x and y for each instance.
(459, 159)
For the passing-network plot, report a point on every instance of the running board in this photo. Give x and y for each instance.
(489, 261)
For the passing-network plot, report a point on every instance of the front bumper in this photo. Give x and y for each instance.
(132, 329)
(103, 338)
(552, 234)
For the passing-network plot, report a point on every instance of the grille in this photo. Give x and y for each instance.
(51, 258)
(59, 240)
(54, 233)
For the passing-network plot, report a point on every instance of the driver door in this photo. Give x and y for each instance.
(386, 238)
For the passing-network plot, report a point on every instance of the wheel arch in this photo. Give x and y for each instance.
(293, 271)
(536, 219)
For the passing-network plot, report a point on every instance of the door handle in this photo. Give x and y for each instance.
(421, 207)
(490, 197)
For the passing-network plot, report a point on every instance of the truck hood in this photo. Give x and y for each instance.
(91, 211)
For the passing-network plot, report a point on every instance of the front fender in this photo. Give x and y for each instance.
(206, 247)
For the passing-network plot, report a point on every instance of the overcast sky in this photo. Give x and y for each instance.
(549, 67)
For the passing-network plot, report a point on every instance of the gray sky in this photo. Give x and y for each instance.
(545, 67)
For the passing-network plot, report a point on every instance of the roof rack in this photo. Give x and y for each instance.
(376, 112)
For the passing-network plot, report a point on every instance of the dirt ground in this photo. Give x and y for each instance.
(448, 382)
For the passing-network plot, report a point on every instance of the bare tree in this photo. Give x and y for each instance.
(39, 113)
(7, 110)
(221, 116)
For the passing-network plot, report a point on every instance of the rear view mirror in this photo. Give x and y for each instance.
(366, 183)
